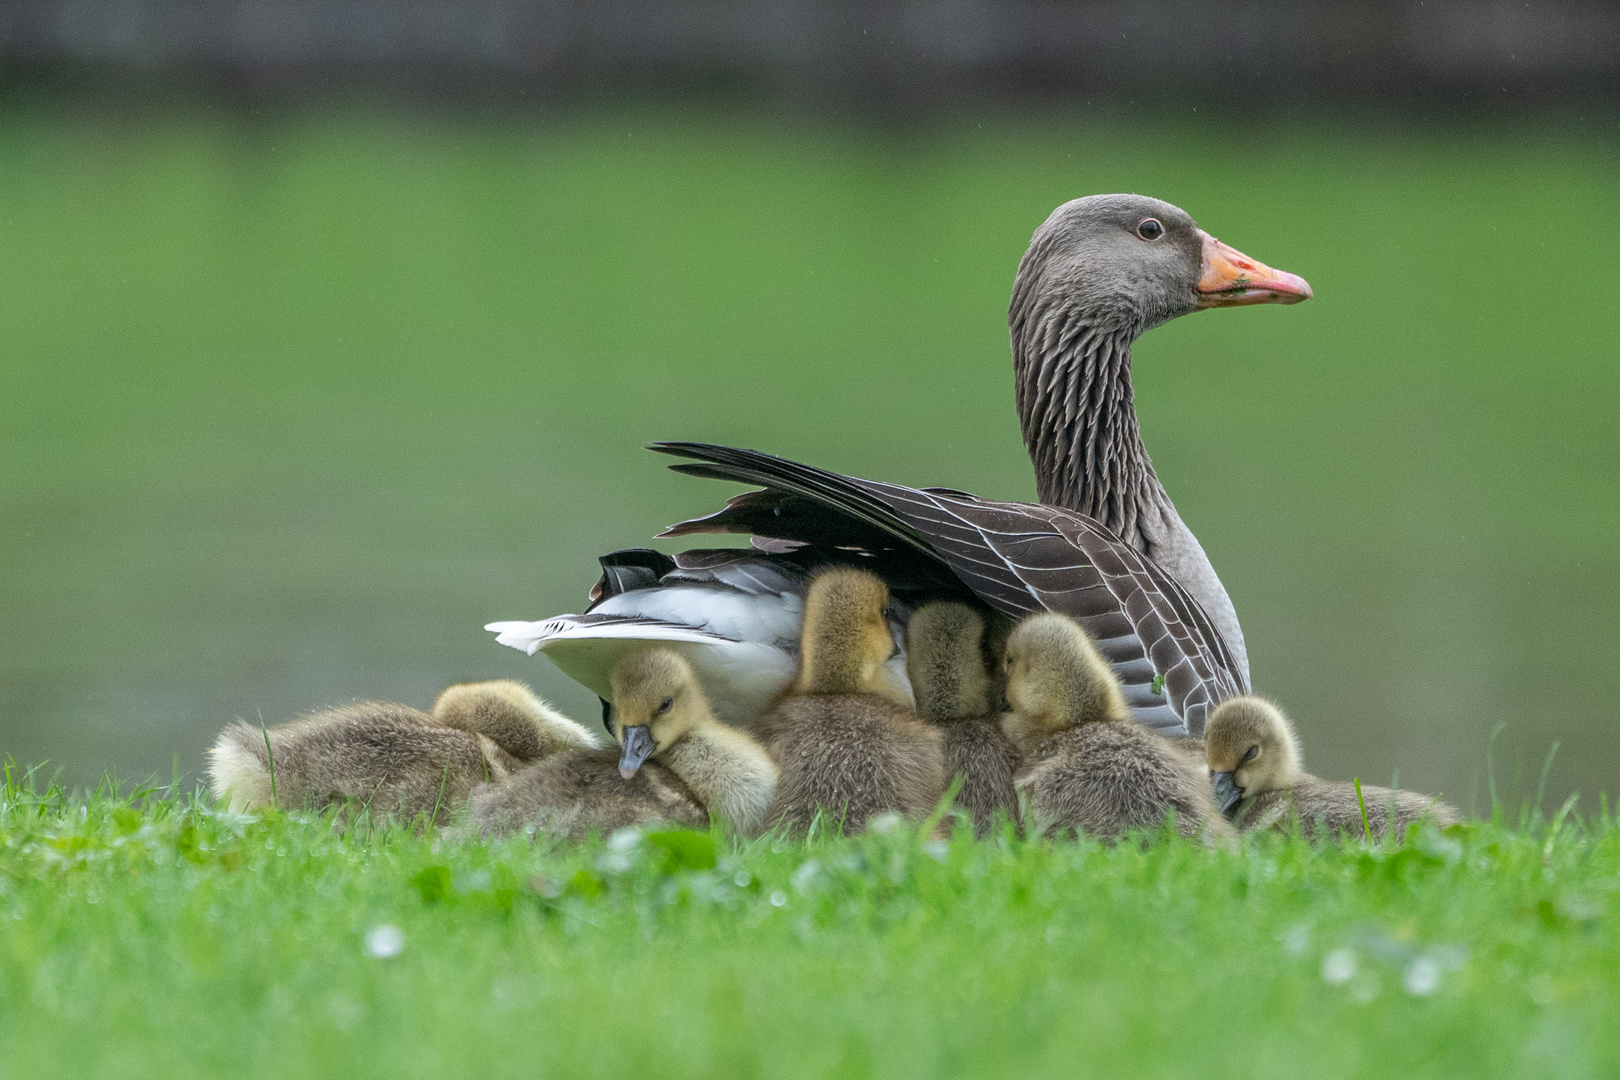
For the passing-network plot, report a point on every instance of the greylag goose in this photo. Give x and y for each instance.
(1105, 545)
(675, 764)
(393, 759)
(1085, 765)
(951, 664)
(845, 737)
(1260, 782)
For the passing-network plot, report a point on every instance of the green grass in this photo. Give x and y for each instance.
(160, 937)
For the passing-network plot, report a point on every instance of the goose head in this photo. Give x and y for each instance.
(656, 703)
(1057, 679)
(1251, 748)
(945, 659)
(846, 643)
(1130, 263)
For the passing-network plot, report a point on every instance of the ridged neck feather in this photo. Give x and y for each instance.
(1078, 415)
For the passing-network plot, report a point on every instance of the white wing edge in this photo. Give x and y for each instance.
(532, 637)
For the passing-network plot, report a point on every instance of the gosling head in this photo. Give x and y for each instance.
(1251, 748)
(846, 642)
(1057, 679)
(946, 661)
(656, 703)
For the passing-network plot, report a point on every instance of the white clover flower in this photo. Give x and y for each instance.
(1338, 967)
(384, 941)
(1421, 977)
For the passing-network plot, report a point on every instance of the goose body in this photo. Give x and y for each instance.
(1105, 545)
(735, 616)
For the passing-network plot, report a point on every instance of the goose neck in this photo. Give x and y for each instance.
(1077, 410)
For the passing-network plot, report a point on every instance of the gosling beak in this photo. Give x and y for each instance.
(638, 746)
(1227, 793)
(1232, 279)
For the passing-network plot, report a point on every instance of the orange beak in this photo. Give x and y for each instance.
(1232, 279)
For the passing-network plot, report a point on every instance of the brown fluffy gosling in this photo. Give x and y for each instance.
(1254, 763)
(391, 759)
(1087, 765)
(951, 677)
(845, 736)
(675, 764)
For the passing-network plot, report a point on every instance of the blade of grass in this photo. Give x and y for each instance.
(444, 781)
(1490, 772)
(1557, 823)
(275, 800)
(1366, 826)
(1541, 785)
(931, 822)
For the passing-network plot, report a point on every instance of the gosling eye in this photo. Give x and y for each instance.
(664, 706)
(1150, 229)
(1252, 753)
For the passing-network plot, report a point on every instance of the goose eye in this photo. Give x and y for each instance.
(1253, 750)
(664, 706)
(1150, 229)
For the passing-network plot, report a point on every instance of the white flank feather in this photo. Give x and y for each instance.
(744, 649)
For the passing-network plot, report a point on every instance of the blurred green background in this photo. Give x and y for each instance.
(290, 406)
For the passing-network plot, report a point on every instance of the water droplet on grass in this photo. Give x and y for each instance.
(778, 898)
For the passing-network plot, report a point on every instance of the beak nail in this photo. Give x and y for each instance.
(638, 747)
(1227, 793)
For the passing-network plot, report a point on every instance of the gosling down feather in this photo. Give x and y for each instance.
(845, 737)
(391, 759)
(950, 664)
(1087, 765)
(675, 764)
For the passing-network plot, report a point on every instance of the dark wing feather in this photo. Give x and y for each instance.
(1016, 557)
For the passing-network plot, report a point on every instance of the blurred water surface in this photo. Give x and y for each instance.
(289, 409)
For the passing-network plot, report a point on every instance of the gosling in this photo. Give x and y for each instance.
(844, 735)
(675, 764)
(389, 759)
(1254, 763)
(946, 658)
(1087, 765)
(513, 717)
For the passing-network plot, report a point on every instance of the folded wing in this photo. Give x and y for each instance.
(1016, 557)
